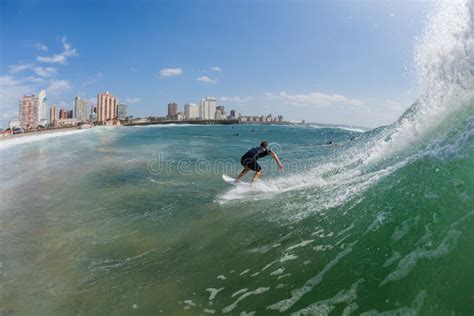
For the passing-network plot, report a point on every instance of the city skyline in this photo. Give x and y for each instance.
(258, 72)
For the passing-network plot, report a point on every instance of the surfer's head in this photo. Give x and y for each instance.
(264, 144)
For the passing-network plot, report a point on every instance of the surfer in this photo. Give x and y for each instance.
(249, 161)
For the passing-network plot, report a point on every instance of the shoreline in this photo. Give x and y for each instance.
(39, 133)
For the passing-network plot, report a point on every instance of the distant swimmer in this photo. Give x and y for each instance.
(249, 161)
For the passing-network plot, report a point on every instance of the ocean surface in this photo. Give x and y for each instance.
(137, 220)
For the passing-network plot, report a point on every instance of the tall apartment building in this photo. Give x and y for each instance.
(234, 114)
(172, 111)
(107, 107)
(80, 108)
(28, 112)
(122, 111)
(220, 113)
(52, 116)
(42, 108)
(93, 115)
(208, 108)
(191, 111)
(62, 114)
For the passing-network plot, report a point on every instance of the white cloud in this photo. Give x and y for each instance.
(11, 90)
(56, 87)
(318, 99)
(132, 100)
(206, 79)
(45, 72)
(40, 71)
(215, 68)
(40, 47)
(234, 99)
(170, 72)
(61, 58)
(31, 79)
(20, 67)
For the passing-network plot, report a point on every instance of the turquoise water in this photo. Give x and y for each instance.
(137, 220)
(91, 225)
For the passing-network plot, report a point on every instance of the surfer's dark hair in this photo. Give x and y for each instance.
(264, 144)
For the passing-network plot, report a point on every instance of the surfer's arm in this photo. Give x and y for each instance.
(275, 156)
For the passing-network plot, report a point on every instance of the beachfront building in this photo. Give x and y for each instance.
(172, 111)
(208, 108)
(42, 108)
(15, 123)
(122, 111)
(191, 111)
(93, 116)
(52, 117)
(107, 107)
(80, 108)
(220, 112)
(28, 112)
(67, 122)
(62, 114)
(234, 114)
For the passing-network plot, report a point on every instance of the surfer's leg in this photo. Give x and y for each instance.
(257, 175)
(243, 173)
(258, 172)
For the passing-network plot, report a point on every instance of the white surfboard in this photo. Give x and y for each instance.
(231, 180)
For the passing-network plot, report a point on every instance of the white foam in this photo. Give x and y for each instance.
(231, 307)
(324, 307)
(239, 292)
(35, 137)
(213, 292)
(278, 271)
(301, 244)
(298, 293)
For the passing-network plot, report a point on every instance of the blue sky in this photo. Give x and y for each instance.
(341, 62)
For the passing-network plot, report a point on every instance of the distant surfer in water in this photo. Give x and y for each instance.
(249, 161)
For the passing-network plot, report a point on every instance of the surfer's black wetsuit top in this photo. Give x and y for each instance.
(249, 160)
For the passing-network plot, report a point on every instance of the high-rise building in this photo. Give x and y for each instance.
(220, 108)
(107, 107)
(220, 113)
(52, 116)
(208, 108)
(191, 111)
(80, 108)
(28, 112)
(70, 114)
(42, 108)
(15, 123)
(122, 111)
(172, 111)
(234, 114)
(93, 116)
(62, 114)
